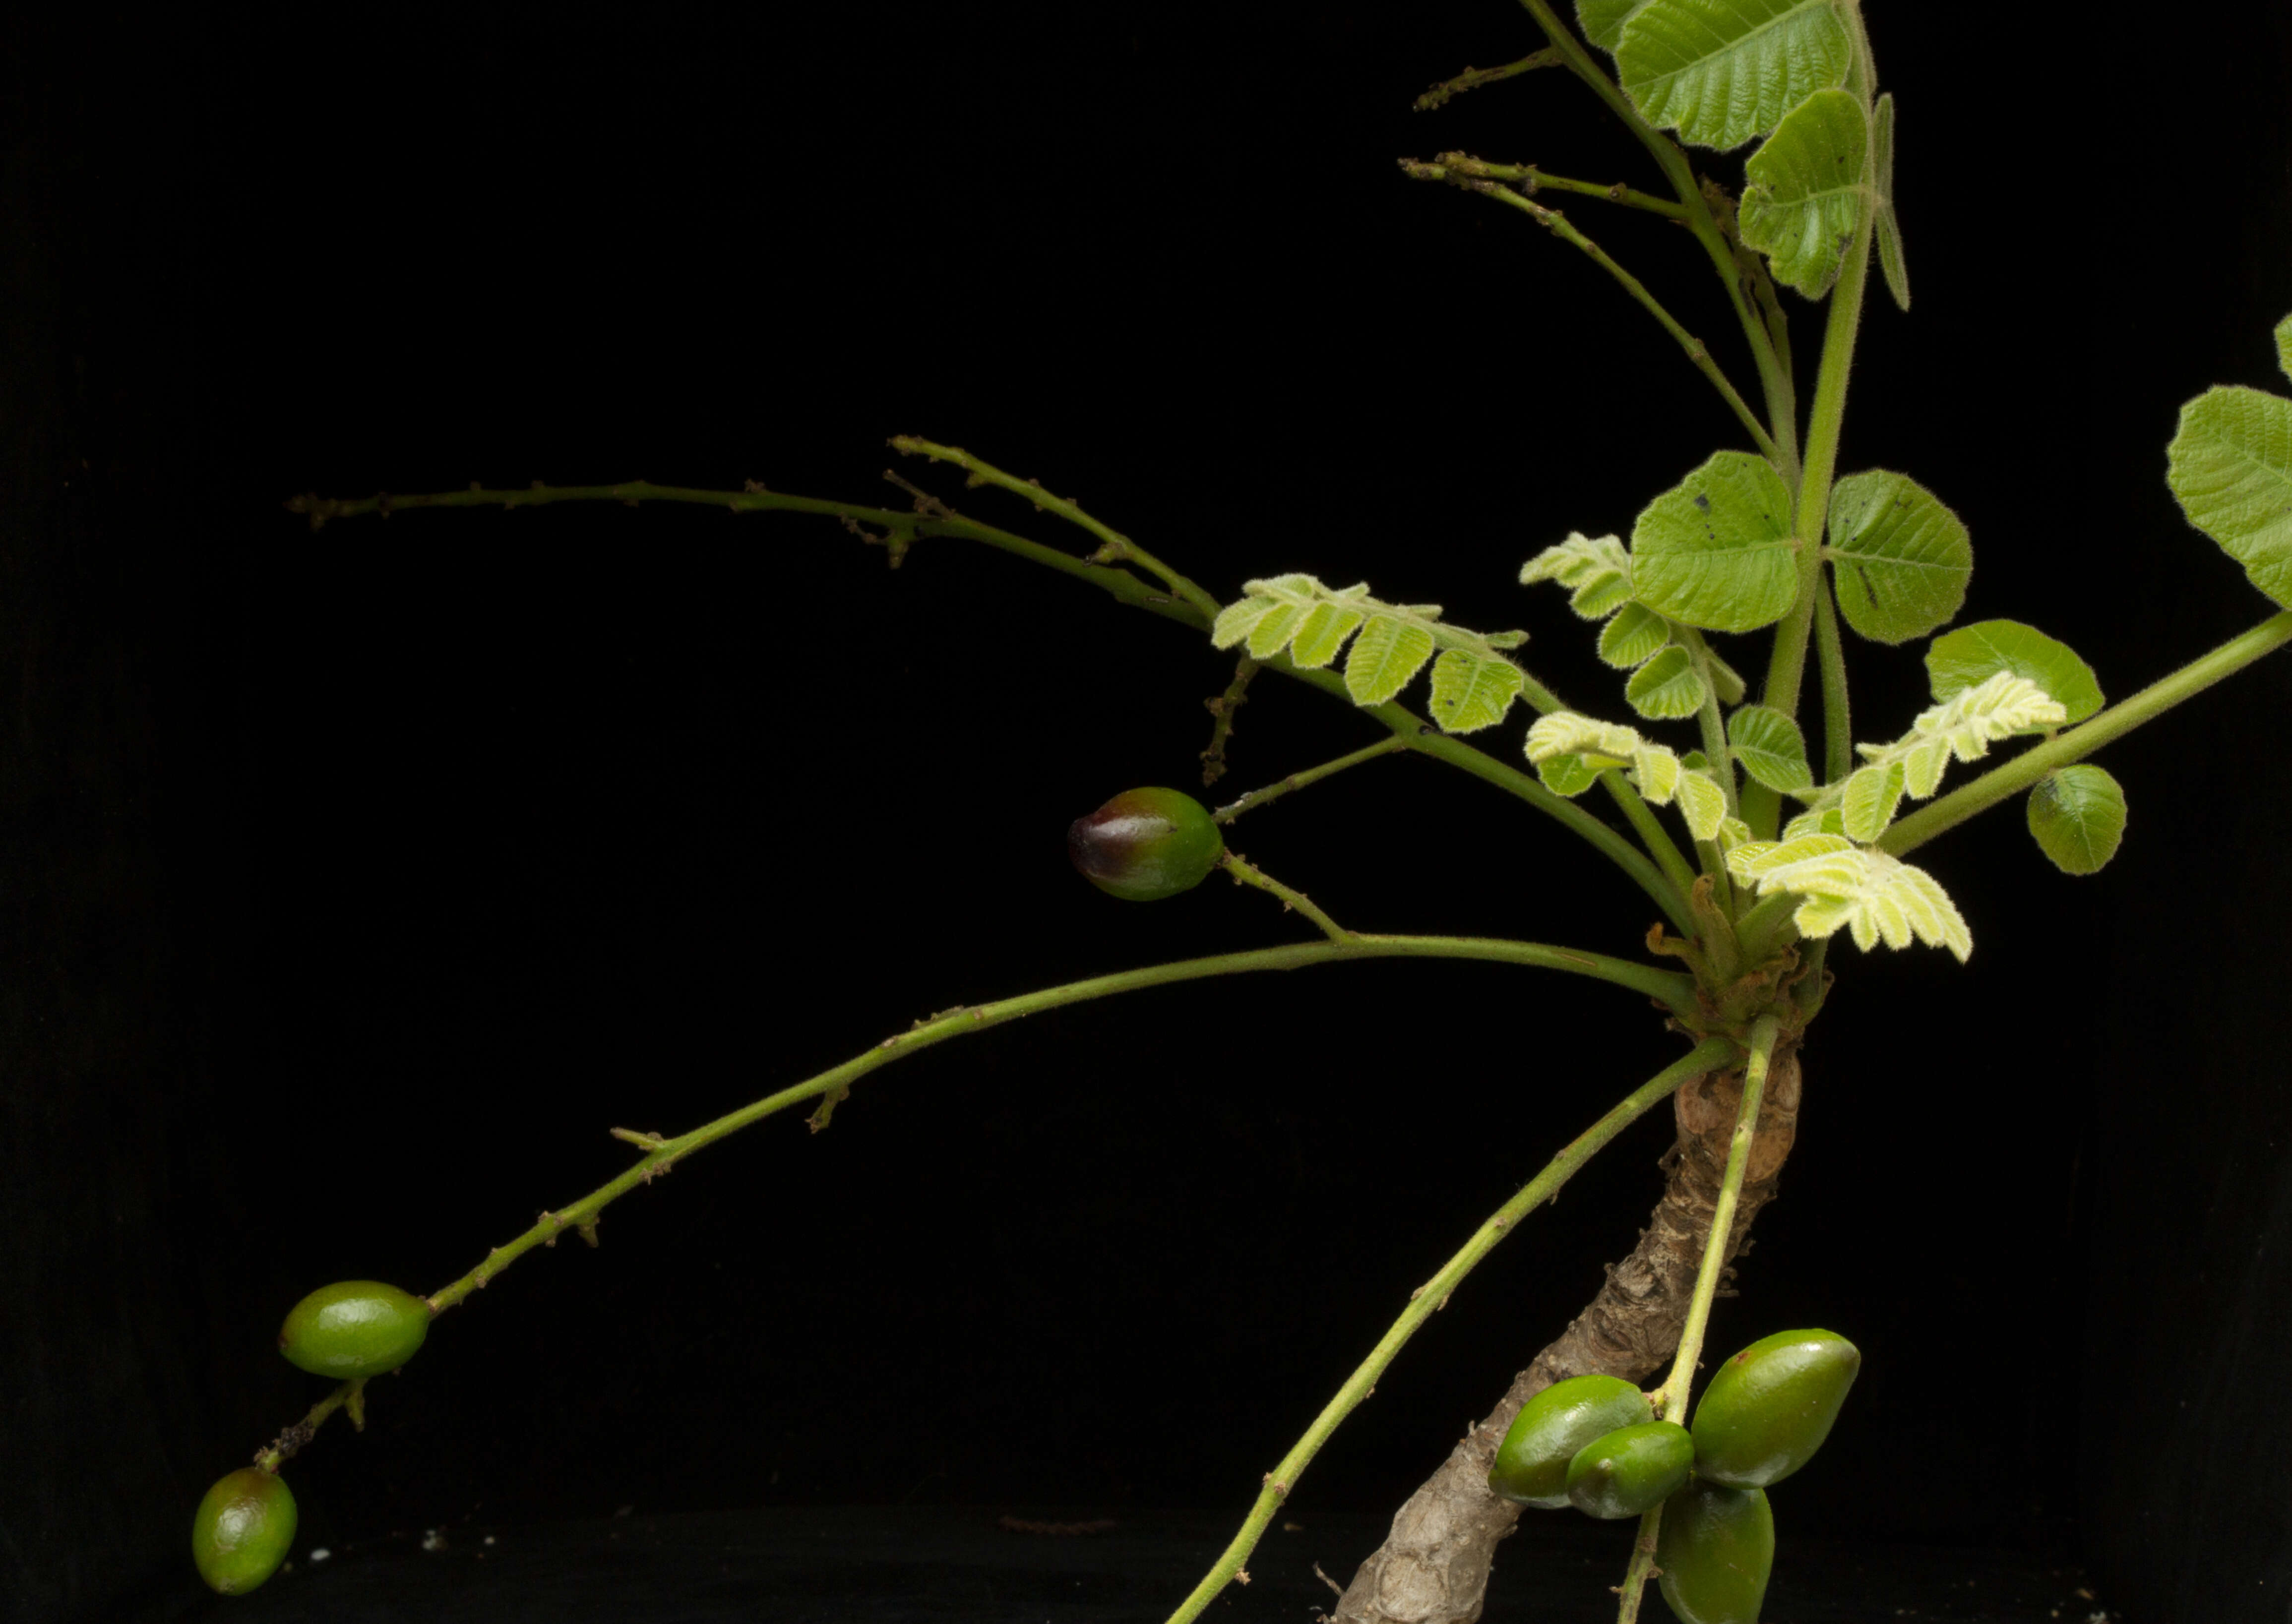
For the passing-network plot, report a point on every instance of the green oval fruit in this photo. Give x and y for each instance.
(242, 1528)
(1625, 1472)
(1715, 1547)
(1769, 1407)
(1146, 844)
(354, 1328)
(1532, 1464)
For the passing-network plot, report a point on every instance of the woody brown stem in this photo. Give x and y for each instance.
(1433, 1566)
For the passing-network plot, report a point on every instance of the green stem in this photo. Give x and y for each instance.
(1560, 226)
(1274, 792)
(1762, 931)
(1708, 719)
(1671, 1400)
(1825, 423)
(1837, 723)
(1114, 547)
(1430, 1298)
(283, 1448)
(1774, 376)
(2023, 771)
(1635, 1577)
(1472, 79)
(1245, 873)
(1536, 180)
(1652, 835)
(1413, 730)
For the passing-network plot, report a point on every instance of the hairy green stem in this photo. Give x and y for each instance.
(1274, 792)
(1431, 1297)
(2024, 771)
(1712, 726)
(1534, 180)
(1244, 873)
(1114, 547)
(1825, 422)
(1560, 226)
(1775, 375)
(1635, 1577)
(1837, 720)
(1652, 834)
(1472, 79)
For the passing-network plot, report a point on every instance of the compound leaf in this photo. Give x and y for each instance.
(1470, 692)
(1717, 550)
(1386, 654)
(1971, 655)
(1596, 569)
(2077, 817)
(1667, 687)
(2231, 468)
(1805, 190)
(1900, 558)
(1888, 227)
(1722, 71)
(1770, 747)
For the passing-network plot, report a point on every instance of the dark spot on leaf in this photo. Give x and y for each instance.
(1703, 502)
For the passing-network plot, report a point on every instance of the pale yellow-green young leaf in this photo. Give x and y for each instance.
(1387, 651)
(1271, 634)
(1655, 769)
(1470, 692)
(1322, 632)
(1961, 659)
(1743, 857)
(1702, 803)
(1965, 726)
(1934, 917)
(1867, 806)
(1568, 733)
(1733, 832)
(1922, 768)
(1873, 895)
(2077, 817)
(1238, 620)
(1825, 820)
(1632, 637)
(1596, 568)
(1770, 747)
(1569, 776)
(1722, 71)
(1666, 687)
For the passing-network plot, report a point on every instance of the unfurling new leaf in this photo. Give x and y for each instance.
(1875, 896)
(1473, 683)
(1667, 683)
(2077, 817)
(1963, 726)
(1660, 775)
(1595, 570)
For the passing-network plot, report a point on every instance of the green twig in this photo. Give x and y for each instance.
(1430, 1298)
(1652, 835)
(1472, 79)
(1642, 1566)
(1246, 873)
(1274, 792)
(2024, 771)
(1560, 226)
(1533, 180)
(1114, 547)
(1837, 720)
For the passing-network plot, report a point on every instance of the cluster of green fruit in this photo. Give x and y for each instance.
(1593, 1443)
(350, 1331)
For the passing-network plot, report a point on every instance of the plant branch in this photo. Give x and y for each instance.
(1560, 226)
(1533, 181)
(1245, 873)
(1635, 1577)
(1274, 792)
(2024, 771)
(1430, 1298)
(1412, 730)
(1472, 79)
(1774, 371)
(1837, 720)
(1114, 547)
(1652, 834)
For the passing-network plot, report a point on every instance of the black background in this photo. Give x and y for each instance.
(357, 883)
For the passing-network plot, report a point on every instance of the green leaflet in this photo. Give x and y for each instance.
(1804, 191)
(2077, 817)
(1888, 227)
(1596, 569)
(1900, 559)
(2230, 467)
(1386, 654)
(2284, 346)
(1724, 71)
(1568, 776)
(1715, 551)
(1770, 747)
(1632, 637)
(1667, 687)
(1867, 806)
(1602, 21)
(1470, 692)
(1970, 656)
(1473, 685)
